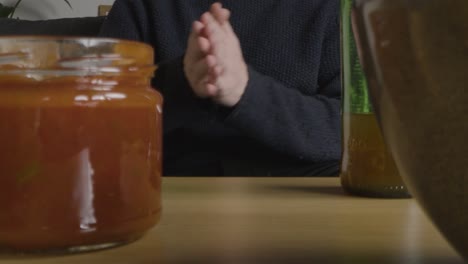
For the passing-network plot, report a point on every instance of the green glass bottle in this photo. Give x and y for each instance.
(367, 168)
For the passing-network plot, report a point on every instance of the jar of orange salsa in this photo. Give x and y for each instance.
(80, 138)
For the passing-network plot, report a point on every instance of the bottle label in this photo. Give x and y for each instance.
(355, 94)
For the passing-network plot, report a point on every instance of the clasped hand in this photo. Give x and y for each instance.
(213, 63)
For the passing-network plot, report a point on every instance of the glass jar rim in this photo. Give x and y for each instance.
(74, 56)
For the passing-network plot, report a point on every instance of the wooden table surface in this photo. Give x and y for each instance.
(275, 220)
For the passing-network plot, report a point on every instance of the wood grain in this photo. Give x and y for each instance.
(275, 220)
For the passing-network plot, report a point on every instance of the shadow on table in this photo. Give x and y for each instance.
(318, 258)
(324, 190)
(287, 255)
(12, 254)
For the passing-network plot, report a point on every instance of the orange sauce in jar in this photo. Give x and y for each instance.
(81, 139)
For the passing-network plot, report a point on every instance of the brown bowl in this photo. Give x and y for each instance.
(415, 55)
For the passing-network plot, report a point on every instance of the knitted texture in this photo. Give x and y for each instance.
(289, 115)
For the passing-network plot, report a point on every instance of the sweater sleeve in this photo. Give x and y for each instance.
(307, 127)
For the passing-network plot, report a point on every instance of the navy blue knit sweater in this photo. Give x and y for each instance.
(287, 121)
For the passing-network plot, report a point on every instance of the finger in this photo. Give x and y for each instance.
(225, 14)
(219, 13)
(216, 71)
(207, 18)
(200, 70)
(222, 17)
(194, 52)
(212, 30)
(204, 44)
(211, 61)
(197, 27)
(216, 7)
(211, 90)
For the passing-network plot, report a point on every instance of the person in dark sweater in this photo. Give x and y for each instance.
(251, 92)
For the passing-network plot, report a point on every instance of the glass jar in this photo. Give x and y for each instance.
(80, 131)
(367, 168)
